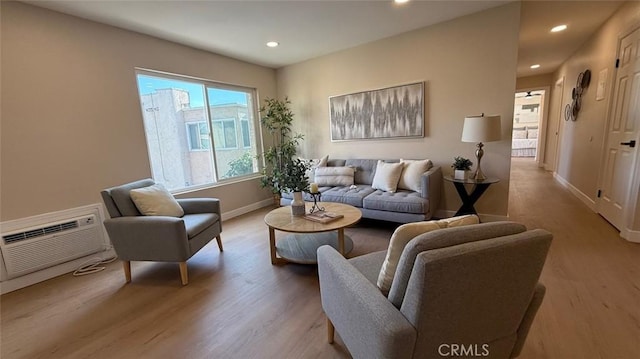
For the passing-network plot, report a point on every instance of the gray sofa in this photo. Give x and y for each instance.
(402, 206)
(474, 285)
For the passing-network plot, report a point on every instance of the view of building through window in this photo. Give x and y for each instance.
(197, 132)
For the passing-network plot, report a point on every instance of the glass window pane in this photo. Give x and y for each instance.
(246, 135)
(167, 106)
(232, 111)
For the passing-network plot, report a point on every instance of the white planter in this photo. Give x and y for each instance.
(297, 205)
(461, 174)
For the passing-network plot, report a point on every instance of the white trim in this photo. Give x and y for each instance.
(576, 192)
(630, 235)
(246, 209)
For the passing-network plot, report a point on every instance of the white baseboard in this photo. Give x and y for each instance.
(443, 213)
(630, 235)
(10, 285)
(576, 192)
(246, 209)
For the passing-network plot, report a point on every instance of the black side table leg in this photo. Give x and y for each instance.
(468, 200)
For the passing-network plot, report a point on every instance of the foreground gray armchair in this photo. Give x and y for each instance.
(158, 238)
(457, 292)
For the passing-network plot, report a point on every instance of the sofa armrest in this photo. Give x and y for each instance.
(431, 187)
(369, 325)
(199, 205)
(148, 238)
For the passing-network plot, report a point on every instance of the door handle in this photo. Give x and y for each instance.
(631, 143)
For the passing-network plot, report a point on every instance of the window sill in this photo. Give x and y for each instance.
(221, 183)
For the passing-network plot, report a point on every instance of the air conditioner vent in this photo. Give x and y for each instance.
(39, 232)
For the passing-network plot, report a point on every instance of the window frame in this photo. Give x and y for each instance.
(224, 134)
(253, 102)
(190, 142)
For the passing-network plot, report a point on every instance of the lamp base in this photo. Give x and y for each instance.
(479, 176)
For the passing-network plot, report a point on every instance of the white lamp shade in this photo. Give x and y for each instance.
(481, 129)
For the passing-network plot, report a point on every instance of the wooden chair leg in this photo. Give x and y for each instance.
(330, 331)
(183, 273)
(126, 265)
(219, 240)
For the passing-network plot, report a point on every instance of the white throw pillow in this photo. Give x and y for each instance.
(406, 233)
(334, 176)
(387, 176)
(315, 163)
(156, 201)
(411, 178)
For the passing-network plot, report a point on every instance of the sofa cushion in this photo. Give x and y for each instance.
(365, 170)
(369, 265)
(411, 178)
(156, 201)
(196, 223)
(334, 176)
(387, 176)
(403, 234)
(347, 195)
(401, 201)
(440, 239)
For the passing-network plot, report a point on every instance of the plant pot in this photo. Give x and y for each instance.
(297, 205)
(461, 174)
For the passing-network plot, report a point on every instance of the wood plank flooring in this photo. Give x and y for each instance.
(237, 305)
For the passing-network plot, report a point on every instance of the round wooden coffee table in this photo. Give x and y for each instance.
(307, 236)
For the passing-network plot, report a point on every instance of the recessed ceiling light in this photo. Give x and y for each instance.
(559, 28)
(400, 1)
(535, 66)
(273, 43)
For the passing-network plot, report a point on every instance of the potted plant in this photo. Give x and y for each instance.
(294, 179)
(461, 167)
(281, 173)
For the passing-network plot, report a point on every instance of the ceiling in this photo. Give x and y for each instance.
(309, 28)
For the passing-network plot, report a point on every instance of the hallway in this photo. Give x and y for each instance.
(592, 305)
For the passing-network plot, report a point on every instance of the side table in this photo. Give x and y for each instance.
(469, 199)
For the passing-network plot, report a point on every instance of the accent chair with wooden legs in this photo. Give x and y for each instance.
(471, 289)
(138, 237)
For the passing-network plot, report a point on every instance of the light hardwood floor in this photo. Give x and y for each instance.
(237, 305)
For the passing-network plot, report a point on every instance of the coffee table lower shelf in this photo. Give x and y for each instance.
(302, 247)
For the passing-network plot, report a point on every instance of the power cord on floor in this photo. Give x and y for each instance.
(93, 265)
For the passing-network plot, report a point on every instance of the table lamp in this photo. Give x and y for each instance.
(481, 129)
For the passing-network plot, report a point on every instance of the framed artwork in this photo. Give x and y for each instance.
(388, 113)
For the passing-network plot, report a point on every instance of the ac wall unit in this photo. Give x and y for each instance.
(30, 249)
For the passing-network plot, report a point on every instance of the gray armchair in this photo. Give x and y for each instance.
(460, 291)
(157, 238)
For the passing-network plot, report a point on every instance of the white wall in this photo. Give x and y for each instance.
(71, 119)
(582, 141)
(468, 65)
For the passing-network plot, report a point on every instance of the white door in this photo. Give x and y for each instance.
(553, 127)
(622, 133)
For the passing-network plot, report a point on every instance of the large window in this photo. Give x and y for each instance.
(198, 132)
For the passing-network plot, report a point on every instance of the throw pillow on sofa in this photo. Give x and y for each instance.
(334, 176)
(156, 201)
(315, 163)
(387, 176)
(411, 177)
(405, 233)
